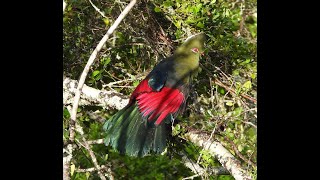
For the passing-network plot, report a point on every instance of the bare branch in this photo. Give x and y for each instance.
(98, 141)
(218, 151)
(97, 9)
(66, 162)
(198, 170)
(92, 169)
(93, 97)
(64, 5)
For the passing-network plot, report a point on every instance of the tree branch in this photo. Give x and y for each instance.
(66, 161)
(198, 170)
(227, 160)
(218, 151)
(97, 9)
(64, 5)
(93, 97)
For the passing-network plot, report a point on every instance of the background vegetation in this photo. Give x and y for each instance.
(224, 93)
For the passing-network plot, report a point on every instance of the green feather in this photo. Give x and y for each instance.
(130, 133)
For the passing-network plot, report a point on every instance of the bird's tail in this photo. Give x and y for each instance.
(130, 133)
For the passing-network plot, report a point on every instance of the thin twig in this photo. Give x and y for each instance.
(209, 140)
(191, 177)
(93, 157)
(92, 169)
(121, 81)
(97, 9)
(234, 147)
(216, 81)
(211, 93)
(250, 123)
(97, 141)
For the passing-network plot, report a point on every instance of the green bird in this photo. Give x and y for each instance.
(144, 124)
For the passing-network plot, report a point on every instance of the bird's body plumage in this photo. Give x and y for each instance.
(144, 124)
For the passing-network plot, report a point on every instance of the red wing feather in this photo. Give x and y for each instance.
(159, 103)
(143, 87)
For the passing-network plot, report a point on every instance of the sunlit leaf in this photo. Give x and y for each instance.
(135, 83)
(106, 21)
(157, 9)
(247, 85)
(72, 168)
(95, 73)
(200, 25)
(230, 103)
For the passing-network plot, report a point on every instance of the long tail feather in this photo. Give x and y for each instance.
(129, 132)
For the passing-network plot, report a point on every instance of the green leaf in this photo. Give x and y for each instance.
(245, 62)
(121, 37)
(168, 3)
(240, 147)
(106, 61)
(176, 130)
(228, 13)
(66, 113)
(190, 20)
(72, 168)
(95, 73)
(157, 9)
(135, 83)
(253, 75)
(200, 25)
(230, 103)
(221, 90)
(237, 111)
(177, 24)
(87, 175)
(106, 21)
(197, 8)
(247, 85)
(251, 132)
(235, 72)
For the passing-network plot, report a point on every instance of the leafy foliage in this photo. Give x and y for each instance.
(151, 31)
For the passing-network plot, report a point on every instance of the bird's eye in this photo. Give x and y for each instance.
(195, 50)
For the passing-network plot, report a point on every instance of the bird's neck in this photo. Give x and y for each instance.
(186, 65)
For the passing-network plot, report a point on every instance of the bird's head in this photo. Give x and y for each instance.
(193, 45)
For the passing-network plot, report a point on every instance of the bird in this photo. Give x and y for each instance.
(144, 124)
